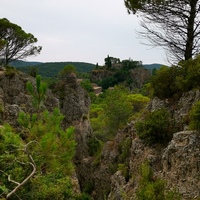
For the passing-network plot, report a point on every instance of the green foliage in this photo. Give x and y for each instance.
(17, 44)
(67, 70)
(121, 75)
(138, 101)
(88, 187)
(124, 149)
(130, 64)
(124, 170)
(50, 148)
(156, 127)
(49, 187)
(164, 82)
(33, 71)
(113, 109)
(194, 123)
(189, 75)
(83, 197)
(39, 93)
(108, 82)
(13, 161)
(10, 71)
(149, 188)
(86, 84)
(97, 119)
(94, 145)
(173, 81)
(117, 109)
(45, 128)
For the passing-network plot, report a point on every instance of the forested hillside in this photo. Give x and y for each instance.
(50, 69)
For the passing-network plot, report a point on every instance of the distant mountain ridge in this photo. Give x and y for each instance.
(50, 69)
(21, 63)
(152, 66)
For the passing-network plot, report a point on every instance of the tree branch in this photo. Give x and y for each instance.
(32, 163)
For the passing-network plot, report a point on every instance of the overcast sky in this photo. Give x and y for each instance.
(84, 30)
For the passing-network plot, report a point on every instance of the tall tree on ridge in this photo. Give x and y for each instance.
(171, 24)
(16, 43)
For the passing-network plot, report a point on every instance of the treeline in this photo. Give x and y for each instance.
(51, 69)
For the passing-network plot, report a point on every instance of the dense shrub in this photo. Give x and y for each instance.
(164, 82)
(170, 81)
(138, 101)
(86, 84)
(189, 75)
(117, 109)
(157, 127)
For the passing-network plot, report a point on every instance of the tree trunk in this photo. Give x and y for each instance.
(190, 30)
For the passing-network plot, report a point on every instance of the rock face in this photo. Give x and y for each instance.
(181, 164)
(140, 76)
(74, 105)
(14, 97)
(178, 163)
(98, 75)
(115, 174)
(72, 100)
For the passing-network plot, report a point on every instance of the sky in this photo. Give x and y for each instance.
(82, 31)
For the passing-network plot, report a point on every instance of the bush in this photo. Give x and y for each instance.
(157, 127)
(189, 77)
(164, 82)
(194, 123)
(138, 101)
(117, 109)
(170, 81)
(148, 188)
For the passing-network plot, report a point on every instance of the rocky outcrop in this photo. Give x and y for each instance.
(115, 173)
(140, 76)
(72, 100)
(99, 74)
(15, 98)
(181, 164)
(178, 108)
(177, 163)
(74, 105)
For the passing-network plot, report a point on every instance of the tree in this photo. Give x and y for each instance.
(156, 128)
(117, 108)
(172, 24)
(40, 157)
(38, 94)
(108, 62)
(67, 71)
(17, 43)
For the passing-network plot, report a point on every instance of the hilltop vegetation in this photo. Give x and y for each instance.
(51, 69)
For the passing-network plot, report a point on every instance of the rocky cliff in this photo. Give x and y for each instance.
(139, 75)
(72, 100)
(114, 174)
(177, 163)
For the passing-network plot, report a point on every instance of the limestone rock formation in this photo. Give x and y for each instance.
(177, 163)
(181, 164)
(140, 76)
(72, 100)
(115, 174)
(99, 74)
